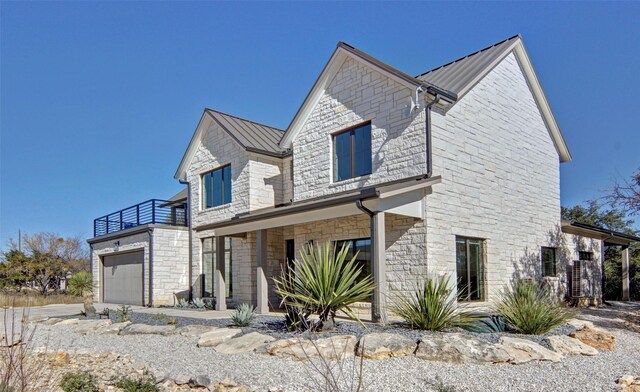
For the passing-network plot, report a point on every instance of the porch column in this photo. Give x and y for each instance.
(262, 300)
(378, 258)
(625, 273)
(220, 287)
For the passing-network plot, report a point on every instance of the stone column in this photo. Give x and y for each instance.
(378, 258)
(220, 287)
(625, 273)
(262, 297)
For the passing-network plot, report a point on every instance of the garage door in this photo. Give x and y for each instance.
(122, 278)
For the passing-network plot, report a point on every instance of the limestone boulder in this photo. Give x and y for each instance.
(385, 345)
(244, 343)
(195, 330)
(52, 321)
(570, 346)
(217, 336)
(144, 329)
(523, 351)
(596, 338)
(85, 327)
(460, 348)
(331, 348)
(111, 329)
(71, 321)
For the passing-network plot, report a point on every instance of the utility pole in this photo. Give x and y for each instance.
(19, 241)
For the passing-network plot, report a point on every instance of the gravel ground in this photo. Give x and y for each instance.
(179, 355)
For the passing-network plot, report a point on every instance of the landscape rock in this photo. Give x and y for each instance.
(460, 348)
(244, 343)
(111, 329)
(523, 351)
(59, 359)
(596, 338)
(579, 324)
(195, 330)
(570, 346)
(84, 327)
(200, 381)
(629, 383)
(385, 345)
(144, 329)
(217, 336)
(52, 321)
(71, 321)
(331, 348)
(37, 319)
(181, 379)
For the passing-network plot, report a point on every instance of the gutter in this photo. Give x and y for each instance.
(436, 99)
(364, 209)
(188, 216)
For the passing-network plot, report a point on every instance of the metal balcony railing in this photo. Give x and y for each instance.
(152, 211)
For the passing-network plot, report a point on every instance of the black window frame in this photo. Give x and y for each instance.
(585, 256)
(352, 152)
(547, 263)
(227, 252)
(481, 290)
(223, 192)
(367, 265)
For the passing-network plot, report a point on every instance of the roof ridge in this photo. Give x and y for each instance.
(244, 119)
(470, 54)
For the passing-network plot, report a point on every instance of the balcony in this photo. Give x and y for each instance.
(154, 211)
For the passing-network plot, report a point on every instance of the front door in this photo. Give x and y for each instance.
(291, 253)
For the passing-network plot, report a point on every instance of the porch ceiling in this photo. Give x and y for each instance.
(402, 200)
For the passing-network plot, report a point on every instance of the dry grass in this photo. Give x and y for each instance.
(18, 300)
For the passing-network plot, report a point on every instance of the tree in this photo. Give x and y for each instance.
(613, 219)
(626, 194)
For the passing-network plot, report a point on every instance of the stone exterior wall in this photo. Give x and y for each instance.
(169, 272)
(568, 248)
(265, 181)
(358, 94)
(500, 178)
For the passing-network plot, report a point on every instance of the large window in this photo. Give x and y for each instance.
(470, 269)
(352, 153)
(217, 187)
(363, 247)
(548, 256)
(209, 266)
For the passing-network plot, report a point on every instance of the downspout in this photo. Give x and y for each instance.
(376, 310)
(429, 167)
(150, 232)
(190, 279)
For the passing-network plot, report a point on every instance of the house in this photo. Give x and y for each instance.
(453, 172)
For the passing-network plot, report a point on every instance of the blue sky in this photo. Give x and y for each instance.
(99, 100)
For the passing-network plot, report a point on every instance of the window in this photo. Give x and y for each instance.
(217, 187)
(548, 256)
(470, 269)
(363, 247)
(209, 266)
(352, 153)
(586, 256)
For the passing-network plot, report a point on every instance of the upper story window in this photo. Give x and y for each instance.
(216, 186)
(352, 152)
(585, 256)
(548, 256)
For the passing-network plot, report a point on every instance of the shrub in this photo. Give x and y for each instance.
(81, 381)
(491, 324)
(243, 315)
(324, 283)
(172, 321)
(159, 316)
(124, 313)
(297, 319)
(143, 384)
(431, 306)
(531, 309)
(182, 303)
(198, 303)
(81, 284)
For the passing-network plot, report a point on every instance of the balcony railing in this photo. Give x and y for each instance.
(152, 211)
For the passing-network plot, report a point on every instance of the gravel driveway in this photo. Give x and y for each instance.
(176, 355)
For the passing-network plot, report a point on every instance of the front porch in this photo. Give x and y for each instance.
(387, 227)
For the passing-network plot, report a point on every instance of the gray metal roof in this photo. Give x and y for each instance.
(458, 75)
(249, 134)
(182, 195)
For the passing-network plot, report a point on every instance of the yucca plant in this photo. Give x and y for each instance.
(243, 315)
(81, 284)
(432, 307)
(324, 282)
(531, 309)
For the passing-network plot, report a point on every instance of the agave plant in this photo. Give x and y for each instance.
(244, 315)
(323, 281)
(431, 306)
(531, 309)
(198, 303)
(81, 284)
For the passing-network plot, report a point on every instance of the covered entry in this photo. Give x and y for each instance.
(122, 278)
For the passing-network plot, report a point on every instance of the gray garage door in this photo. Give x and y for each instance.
(122, 277)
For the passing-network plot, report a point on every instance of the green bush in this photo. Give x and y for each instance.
(530, 309)
(143, 384)
(81, 381)
(324, 282)
(244, 315)
(81, 283)
(491, 324)
(124, 313)
(159, 316)
(431, 306)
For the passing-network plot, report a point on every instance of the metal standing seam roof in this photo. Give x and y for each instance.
(249, 134)
(457, 75)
